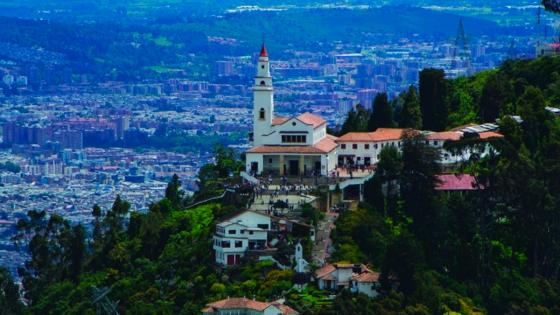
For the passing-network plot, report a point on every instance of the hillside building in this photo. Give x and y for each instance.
(235, 236)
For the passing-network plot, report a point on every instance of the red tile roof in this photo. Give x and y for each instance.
(490, 134)
(445, 135)
(368, 276)
(233, 303)
(355, 137)
(456, 182)
(324, 271)
(279, 120)
(324, 146)
(244, 303)
(285, 309)
(311, 119)
(381, 134)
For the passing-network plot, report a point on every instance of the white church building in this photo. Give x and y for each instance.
(296, 145)
(300, 145)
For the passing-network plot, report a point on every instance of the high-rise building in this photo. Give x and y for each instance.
(122, 123)
(224, 68)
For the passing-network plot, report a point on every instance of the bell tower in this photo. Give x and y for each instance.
(263, 99)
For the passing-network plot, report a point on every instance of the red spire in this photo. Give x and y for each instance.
(264, 53)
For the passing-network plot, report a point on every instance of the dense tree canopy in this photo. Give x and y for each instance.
(356, 121)
(433, 94)
(491, 250)
(411, 115)
(382, 113)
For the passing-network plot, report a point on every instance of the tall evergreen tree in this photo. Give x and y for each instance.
(76, 252)
(433, 94)
(10, 303)
(417, 183)
(356, 121)
(382, 115)
(497, 92)
(389, 170)
(411, 115)
(174, 193)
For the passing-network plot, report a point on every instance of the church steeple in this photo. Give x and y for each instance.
(264, 53)
(263, 70)
(263, 99)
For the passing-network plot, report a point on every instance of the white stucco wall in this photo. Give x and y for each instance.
(366, 288)
(361, 151)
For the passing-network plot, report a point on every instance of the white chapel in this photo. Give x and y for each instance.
(300, 145)
(292, 146)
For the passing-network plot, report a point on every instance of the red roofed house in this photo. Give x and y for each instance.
(362, 148)
(244, 306)
(296, 145)
(366, 283)
(437, 140)
(358, 278)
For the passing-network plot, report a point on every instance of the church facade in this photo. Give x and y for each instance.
(291, 146)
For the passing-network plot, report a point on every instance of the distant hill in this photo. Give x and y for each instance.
(98, 47)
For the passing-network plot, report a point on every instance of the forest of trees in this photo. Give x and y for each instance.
(495, 250)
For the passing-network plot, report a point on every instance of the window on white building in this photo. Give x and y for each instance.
(238, 244)
(343, 146)
(355, 146)
(232, 231)
(294, 138)
(366, 146)
(261, 113)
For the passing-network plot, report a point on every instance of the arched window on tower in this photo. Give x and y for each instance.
(261, 113)
(263, 83)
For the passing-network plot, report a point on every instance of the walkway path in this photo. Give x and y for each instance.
(323, 244)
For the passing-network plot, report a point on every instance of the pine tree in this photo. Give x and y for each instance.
(411, 115)
(433, 94)
(496, 94)
(382, 115)
(174, 193)
(356, 121)
(10, 302)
